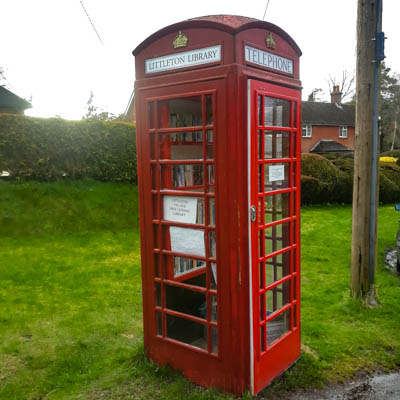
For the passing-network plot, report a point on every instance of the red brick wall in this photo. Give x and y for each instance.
(327, 132)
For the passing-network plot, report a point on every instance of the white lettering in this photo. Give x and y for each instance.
(268, 60)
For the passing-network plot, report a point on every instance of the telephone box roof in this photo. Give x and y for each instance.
(229, 23)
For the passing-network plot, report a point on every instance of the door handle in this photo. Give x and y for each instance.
(253, 213)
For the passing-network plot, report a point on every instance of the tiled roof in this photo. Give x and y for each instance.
(316, 113)
(328, 146)
(235, 21)
(10, 100)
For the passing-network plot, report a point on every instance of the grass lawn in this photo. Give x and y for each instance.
(70, 299)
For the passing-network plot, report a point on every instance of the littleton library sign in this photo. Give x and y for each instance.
(212, 54)
(184, 60)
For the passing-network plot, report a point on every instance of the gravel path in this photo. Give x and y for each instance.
(381, 387)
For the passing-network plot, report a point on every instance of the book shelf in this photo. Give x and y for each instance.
(182, 140)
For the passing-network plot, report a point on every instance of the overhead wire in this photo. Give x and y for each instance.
(266, 8)
(91, 23)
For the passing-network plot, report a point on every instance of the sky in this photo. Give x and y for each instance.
(50, 53)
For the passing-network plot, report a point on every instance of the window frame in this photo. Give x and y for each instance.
(342, 129)
(307, 129)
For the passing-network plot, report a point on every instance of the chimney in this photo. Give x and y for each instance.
(336, 95)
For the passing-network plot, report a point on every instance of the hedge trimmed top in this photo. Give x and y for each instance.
(49, 149)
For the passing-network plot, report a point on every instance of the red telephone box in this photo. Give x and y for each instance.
(218, 141)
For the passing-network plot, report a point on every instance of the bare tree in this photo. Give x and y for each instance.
(316, 95)
(346, 85)
(3, 79)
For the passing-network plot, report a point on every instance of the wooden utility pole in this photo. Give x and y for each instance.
(366, 164)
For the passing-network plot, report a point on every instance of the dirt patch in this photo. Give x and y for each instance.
(9, 365)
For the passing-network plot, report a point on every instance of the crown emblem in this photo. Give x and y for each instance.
(270, 41)
(180, 40)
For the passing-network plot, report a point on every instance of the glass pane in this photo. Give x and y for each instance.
(209, 109)
(294, 114)
(186, 301)
(184, 265)
(260, 174)
(261, 275)
(210, 145)
(151, 114)
(276, 112)
(158, 294)
(262, 307)
(200, 279)
(181, 112)
(155, 236)
(156, 265)
(260, 145)
(177, 176)
(210, 171)
(214, 309)
(276, 176)
(213, 247)
(278, 297)
(211, 208)
(277, 207)
(277, 268)
(159, 323)
(294, 288)
(259, 110)
(262, 338)
(210, 177)
(261, 238)
(276, 144)
(294, 153)
(181, 146)
(153, 147)
(214, 338)
(294, 261)
(186, 331)
(278, 327)
(277, 237)
(213, 283)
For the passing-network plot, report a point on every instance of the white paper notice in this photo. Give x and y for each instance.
(185, 240)
(276, 173)
(180, 209)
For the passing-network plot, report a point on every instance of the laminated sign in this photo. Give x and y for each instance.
(180, 209)
(276, 173)
(185, 240)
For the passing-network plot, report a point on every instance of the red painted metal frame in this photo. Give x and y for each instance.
(267, 364)
(232, 369)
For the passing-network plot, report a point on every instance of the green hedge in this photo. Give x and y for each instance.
(48, 149)
(331, 181)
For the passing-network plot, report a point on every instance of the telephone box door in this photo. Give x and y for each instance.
(274, 174)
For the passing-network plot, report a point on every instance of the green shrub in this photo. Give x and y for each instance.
(325, 181)
(48, 149)
(391, 171)
(391, 153)
(388, 190)
(339, 156)
(345, 165)
(314, 191)
(319, 167)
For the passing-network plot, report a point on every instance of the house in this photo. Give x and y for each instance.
(10, 103)
(327, 127)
